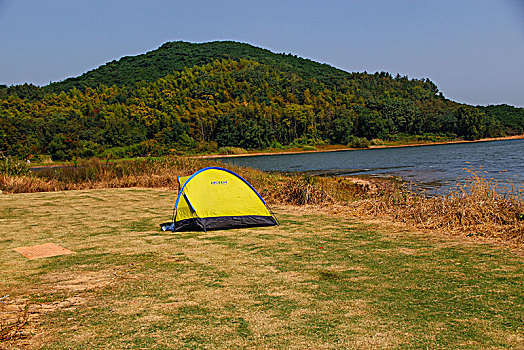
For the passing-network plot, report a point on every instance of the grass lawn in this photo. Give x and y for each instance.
(316, 281)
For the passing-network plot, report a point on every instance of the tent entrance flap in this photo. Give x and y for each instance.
(216, 198)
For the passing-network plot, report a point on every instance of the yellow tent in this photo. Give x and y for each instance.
(216, 198)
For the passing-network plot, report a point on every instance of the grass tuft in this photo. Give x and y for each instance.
(13, 330)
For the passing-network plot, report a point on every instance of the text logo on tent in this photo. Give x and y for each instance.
(218, 182)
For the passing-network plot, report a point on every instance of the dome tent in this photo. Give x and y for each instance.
(216, 198)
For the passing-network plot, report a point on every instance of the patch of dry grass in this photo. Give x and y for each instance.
(12, 328)
(475, 207)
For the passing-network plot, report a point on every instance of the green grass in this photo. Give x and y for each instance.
(316, 281)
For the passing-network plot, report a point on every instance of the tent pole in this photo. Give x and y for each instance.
(174, 214)
(174, 207)
(271, 211)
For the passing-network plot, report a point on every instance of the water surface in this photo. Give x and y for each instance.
(433, 167)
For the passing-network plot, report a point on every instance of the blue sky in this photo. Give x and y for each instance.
(473, 50)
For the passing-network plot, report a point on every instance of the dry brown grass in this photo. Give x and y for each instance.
(97, 174)
(475, 207)
(13, 329)
(162, 173)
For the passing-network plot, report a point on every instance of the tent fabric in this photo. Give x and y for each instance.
(216, 198)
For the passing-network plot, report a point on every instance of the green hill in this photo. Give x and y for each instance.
(187, 97)
(175, 56)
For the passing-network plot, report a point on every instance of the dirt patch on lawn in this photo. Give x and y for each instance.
(46, 250)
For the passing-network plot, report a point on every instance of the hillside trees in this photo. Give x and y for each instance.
(510, 118)
(231, 102)
(473, 124)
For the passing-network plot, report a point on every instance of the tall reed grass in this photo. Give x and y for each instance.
(12, 166)
(476, 206)
(163, 172)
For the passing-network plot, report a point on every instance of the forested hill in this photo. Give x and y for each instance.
(199, 97)
(175, 56)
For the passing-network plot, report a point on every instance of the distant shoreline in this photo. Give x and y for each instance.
(331, 148)
(345, 148)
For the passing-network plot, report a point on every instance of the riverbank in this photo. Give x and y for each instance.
(319, 280)
(338, 148)
(319, 149)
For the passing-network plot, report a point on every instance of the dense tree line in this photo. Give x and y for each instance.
(511, 117)
(231, 102)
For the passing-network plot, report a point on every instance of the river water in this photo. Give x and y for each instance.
(432, 167)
